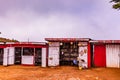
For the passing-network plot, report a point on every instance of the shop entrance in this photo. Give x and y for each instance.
(68, 52)
(27, 52)
(38, 56)
(1, 56)
(18, 55)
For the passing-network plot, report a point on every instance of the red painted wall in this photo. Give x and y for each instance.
(100, 56)
(89, 55)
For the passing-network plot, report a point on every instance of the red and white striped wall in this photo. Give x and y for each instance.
(9, 52)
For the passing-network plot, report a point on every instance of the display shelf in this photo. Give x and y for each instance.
(68, 53)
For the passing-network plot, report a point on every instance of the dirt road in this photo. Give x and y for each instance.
(57, 73)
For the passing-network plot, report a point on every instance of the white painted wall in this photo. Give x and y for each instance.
(11, 56)
(27, 60)
(43, 57)
(112, 56)
(53, 58)
(5, 56)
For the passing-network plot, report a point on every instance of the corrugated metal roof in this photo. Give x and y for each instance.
(105, 41)
(67, 39)
(40, 43)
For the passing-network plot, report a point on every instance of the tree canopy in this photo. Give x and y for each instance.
(116, 4)
(7, 40)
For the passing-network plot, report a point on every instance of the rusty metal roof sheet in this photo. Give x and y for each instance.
(67, 39)
(105, 41)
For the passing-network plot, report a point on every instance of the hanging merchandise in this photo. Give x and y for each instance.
(83, 56)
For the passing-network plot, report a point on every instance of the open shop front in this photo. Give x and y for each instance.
(31, 56)
(68, 52)
(1, 55)
(26, 54)
(2, 46)
(65, 51)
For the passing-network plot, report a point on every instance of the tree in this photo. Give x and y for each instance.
(116, 4)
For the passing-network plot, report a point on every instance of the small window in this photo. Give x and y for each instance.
(28, 51)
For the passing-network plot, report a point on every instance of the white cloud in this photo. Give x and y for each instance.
(99, 22)
(24, 24)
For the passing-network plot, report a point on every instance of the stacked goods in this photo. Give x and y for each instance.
(68, 52)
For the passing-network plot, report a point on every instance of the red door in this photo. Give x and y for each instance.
(99, 56)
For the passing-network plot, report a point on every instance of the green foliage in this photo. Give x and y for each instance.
(115, 1)
(7, 40)
(116, 4)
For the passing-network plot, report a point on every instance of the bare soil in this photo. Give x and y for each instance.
(57, 73)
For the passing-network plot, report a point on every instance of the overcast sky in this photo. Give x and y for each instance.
(39, 19)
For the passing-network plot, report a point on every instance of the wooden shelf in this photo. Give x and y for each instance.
(68, 52)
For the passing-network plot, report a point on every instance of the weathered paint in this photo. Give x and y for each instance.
(112, 55)
(54, 44)
(66, 39)
(83, 53)
(53, 57)
(105, 41)
(43, 57)
(99, 56)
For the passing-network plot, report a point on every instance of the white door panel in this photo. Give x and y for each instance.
(112, 55)
(53, 59)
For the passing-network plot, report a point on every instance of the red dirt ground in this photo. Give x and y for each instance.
(57, 73)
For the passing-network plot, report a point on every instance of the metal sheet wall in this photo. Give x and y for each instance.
(53, 58)
(11, 55)
(43, 57)
(99, 56)
(5, 56)
(27, 60)
(112, 55)
(83, 55)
